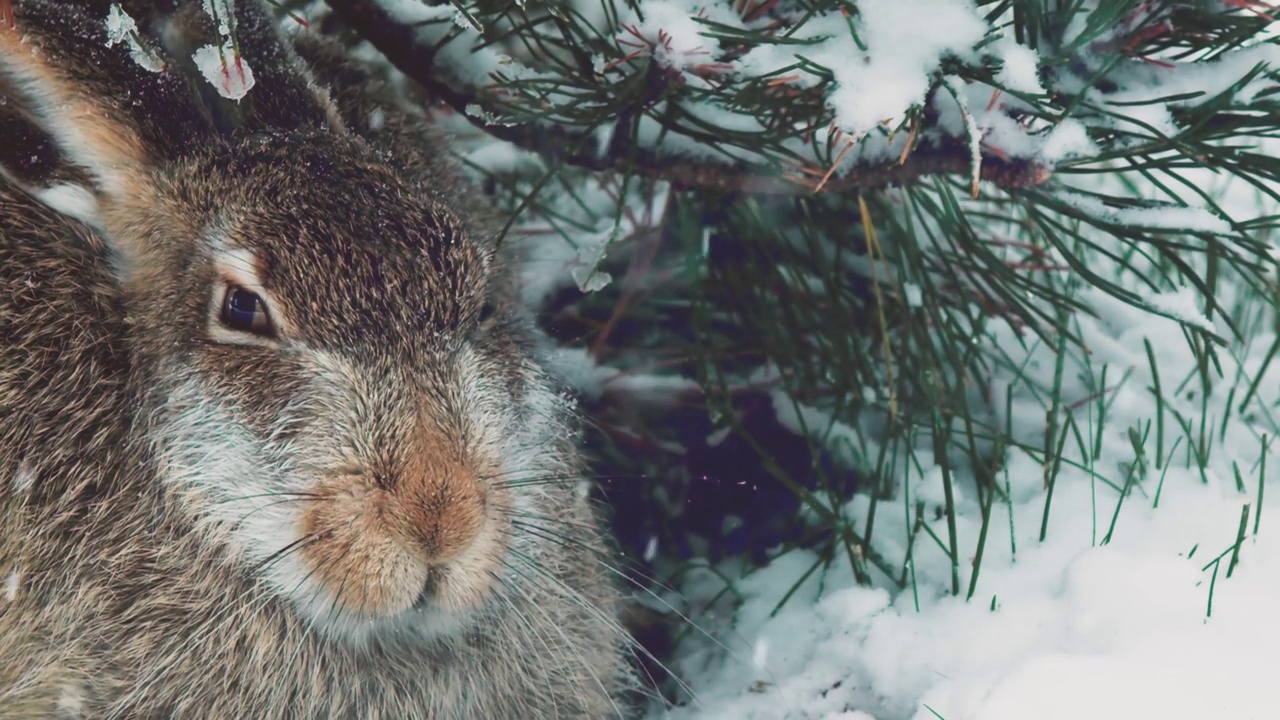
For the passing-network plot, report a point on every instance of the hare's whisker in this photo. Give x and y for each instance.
(569, 645)
(514, 609)
(511, 512)
(609, 622)
(281, 493)
(286, 550)
(286, 501)
(338, 597)
(640, 584)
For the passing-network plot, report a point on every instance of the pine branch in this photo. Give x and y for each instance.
(560, 144)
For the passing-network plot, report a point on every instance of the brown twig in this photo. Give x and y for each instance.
(560, 144)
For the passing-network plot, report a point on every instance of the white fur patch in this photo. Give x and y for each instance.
(73, 201)
(71, 701)
(237, 265)
(12, 583)
(499, 436)
(23, 478)
(122, 28)
(224, 472)
(237, 486)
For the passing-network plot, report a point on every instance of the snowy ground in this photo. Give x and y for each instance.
(1124, 611)
(1071, 627)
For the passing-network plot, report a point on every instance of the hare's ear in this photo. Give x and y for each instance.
(99, 92)
(26, 154)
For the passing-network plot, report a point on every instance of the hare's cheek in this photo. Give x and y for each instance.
(259, 383)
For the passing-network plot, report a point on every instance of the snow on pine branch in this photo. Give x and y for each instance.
(790, 86)
(121, 28)
(821, 92)
(221, 64)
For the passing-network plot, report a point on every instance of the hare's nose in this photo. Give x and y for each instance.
(437, 511)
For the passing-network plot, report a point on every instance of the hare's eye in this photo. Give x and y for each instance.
(244, 311)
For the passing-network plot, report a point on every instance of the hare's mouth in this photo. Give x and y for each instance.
(427, 595)
(375, 558)
(395, 596)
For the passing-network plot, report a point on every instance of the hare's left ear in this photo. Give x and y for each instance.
(26, 154)
(108, 107)
(117, 107)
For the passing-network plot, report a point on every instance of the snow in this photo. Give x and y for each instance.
(465, 55)
(1125, 610)
(883, 62)
(578, 368)
(1156, 217)
(650, 549)
(121, 27)
(1068, 138)
(1147, 91)
(416, 12)
(1201, 81)
(1066, 628)
(119, 24)
(1190, 219)
(1019, 68)
(554, 259)
(913, 294)
(973, 135)
(225, 70)
(803, 419)
(880, 84)
(1184, 305)
(651, 388)
(669, 31)
(877, 83)
(222, 64)
(585, 270)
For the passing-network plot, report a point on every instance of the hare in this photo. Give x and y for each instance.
(275, 439)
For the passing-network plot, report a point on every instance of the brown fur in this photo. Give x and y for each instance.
(431, 489)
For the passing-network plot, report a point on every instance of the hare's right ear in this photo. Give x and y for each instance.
(108, 106)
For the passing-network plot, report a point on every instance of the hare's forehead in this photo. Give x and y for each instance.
(413, 273)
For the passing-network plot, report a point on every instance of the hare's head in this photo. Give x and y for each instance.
(340, 390)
